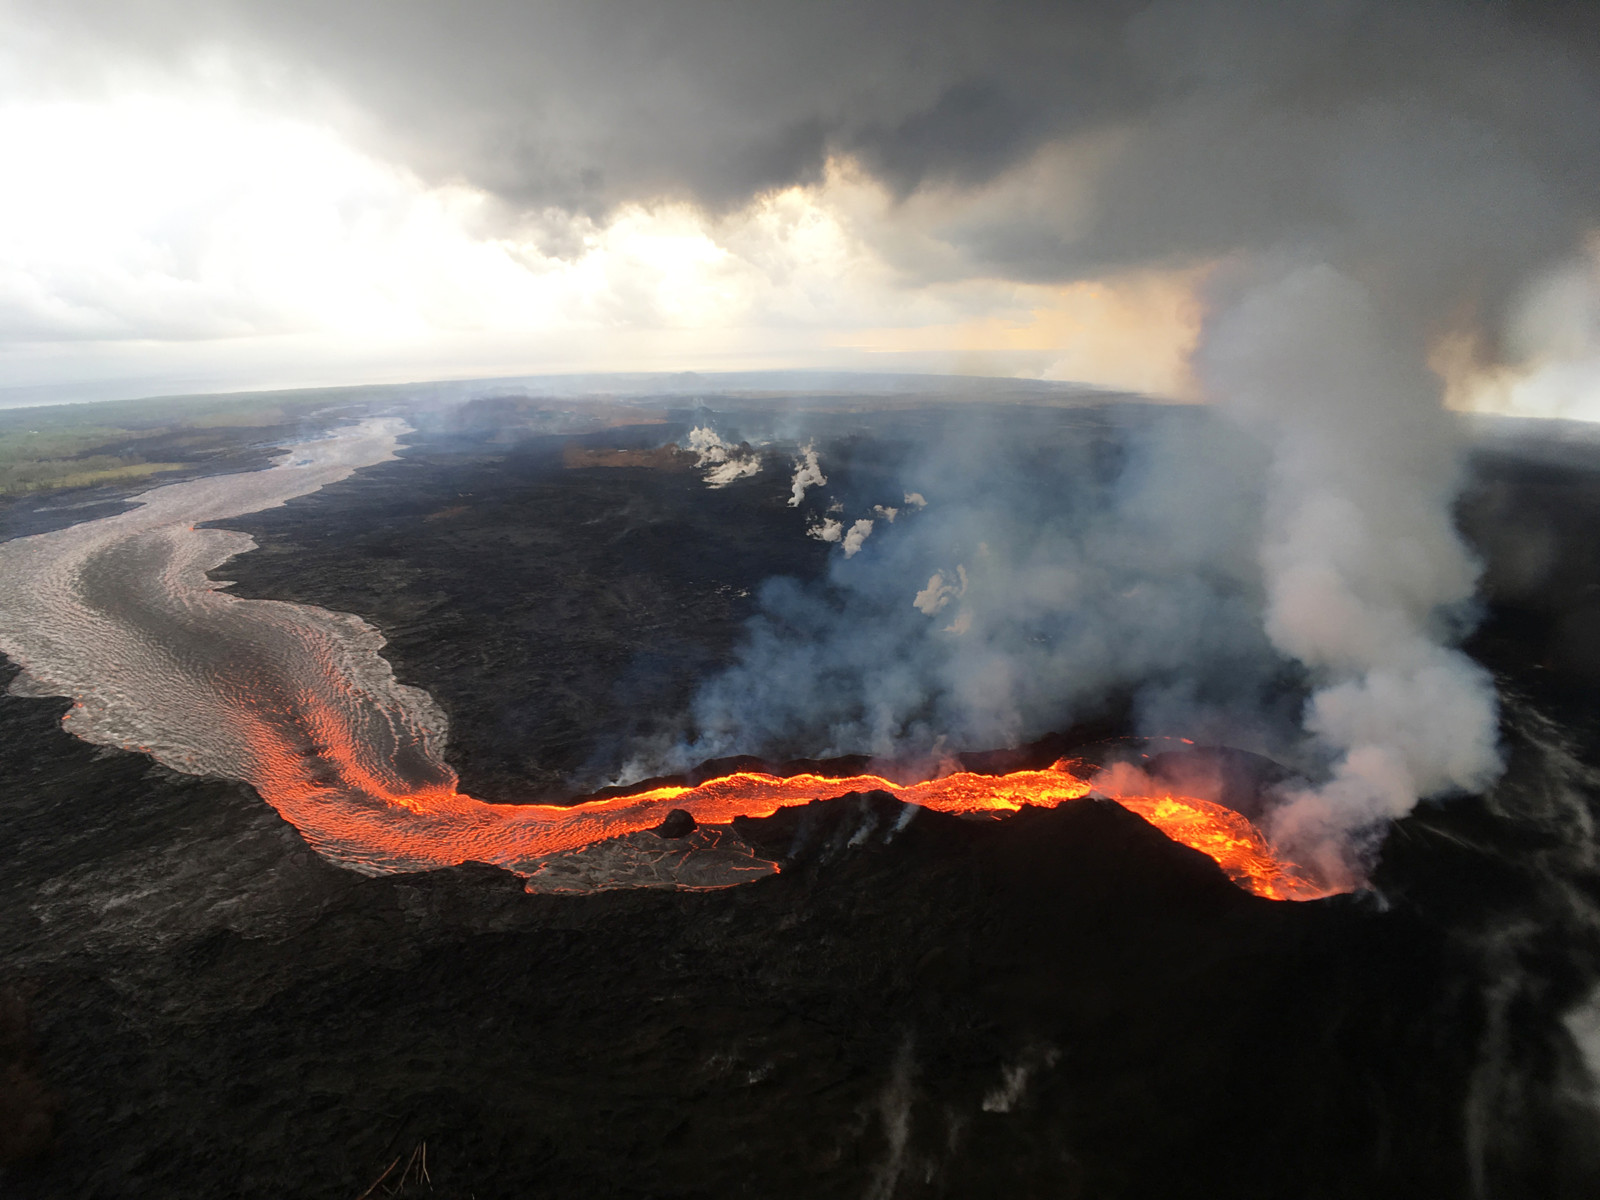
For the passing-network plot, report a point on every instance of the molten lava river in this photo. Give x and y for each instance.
(121, 614)
(442, 826)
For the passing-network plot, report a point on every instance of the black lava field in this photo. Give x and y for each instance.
(1064, 1003)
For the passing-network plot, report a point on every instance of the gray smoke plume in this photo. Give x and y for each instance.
(1060, 557)
(1366, 579)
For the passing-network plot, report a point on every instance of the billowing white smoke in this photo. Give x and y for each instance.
(807, 474)
(826, 530)
(724, 462)
(1366, 578)
(940, 591)
(856, 537)
(708, 444)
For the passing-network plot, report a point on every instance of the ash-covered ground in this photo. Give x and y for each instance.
(1059, 1004)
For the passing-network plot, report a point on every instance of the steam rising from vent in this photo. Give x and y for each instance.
(830, 530)
(1365, 575)
(723, 461)
(807, 474)
(708, 444)
(940, 591)
(826, 530)
(857, 537)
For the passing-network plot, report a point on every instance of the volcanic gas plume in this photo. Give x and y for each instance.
(297, 701)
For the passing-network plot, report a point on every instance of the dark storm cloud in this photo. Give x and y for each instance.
(589, 103)
(1388, 127)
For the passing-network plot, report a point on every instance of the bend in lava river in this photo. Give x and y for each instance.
(120, 614)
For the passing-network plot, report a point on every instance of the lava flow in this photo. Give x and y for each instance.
(1218, 832)
(381, 824)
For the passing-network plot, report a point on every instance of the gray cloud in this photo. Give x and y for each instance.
(1244, 123)
(588, 103)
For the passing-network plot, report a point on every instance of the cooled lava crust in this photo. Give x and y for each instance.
(1060, 1003)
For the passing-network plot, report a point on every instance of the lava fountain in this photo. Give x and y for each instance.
(122, 615)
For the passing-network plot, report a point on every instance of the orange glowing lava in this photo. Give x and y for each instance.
(369, 818)
(1218, 832)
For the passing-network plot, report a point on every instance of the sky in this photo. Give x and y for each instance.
(248, 194)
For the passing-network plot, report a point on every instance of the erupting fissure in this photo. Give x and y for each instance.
(436, 826)
(1219, 832)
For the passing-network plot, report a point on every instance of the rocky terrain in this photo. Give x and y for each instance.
(1063, 1003)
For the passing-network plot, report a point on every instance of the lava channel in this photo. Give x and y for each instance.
(372, 826)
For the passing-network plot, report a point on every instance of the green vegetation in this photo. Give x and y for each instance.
(50, 474)
(84, 445)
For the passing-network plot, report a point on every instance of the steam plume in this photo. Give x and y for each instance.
(857, 537)
(807, 474)
(1281, 572)
(722, 461)
(826, 530)
(1362, 565)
